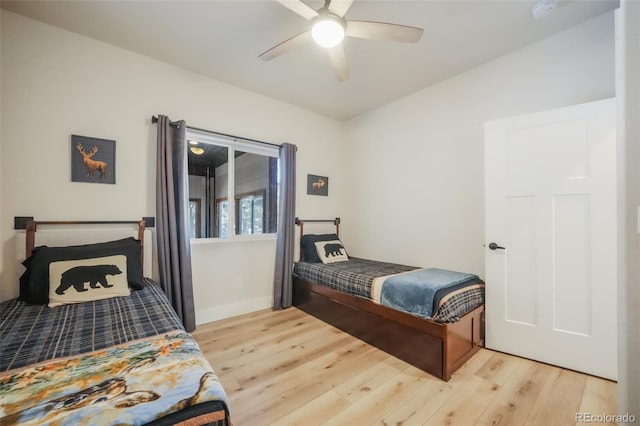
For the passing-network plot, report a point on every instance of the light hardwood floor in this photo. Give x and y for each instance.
(289, 368)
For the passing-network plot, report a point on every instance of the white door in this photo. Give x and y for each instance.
(550, 180)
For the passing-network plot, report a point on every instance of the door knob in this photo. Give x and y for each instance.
(494, 246)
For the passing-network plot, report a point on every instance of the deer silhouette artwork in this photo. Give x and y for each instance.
(90, 164)
(319, 184)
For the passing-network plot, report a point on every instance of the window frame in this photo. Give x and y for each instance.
(233, 145)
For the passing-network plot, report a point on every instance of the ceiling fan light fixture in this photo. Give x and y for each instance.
(328, 31)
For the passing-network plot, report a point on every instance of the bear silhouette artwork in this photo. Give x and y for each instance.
(93, 275)
(333, 250)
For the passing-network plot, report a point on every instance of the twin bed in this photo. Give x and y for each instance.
(107, 360)
(75, 351)
(437, 325)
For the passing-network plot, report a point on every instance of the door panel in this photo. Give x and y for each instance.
(572, 282)
(550, 200)
(521, 290)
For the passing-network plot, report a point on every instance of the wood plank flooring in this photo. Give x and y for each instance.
(289, 368)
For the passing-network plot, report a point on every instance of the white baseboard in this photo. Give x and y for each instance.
(227, 311)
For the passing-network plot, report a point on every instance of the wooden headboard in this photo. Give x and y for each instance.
(32, 227)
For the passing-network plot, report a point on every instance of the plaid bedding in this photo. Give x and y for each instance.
(356, 276)
(125, 360)
(353, 277)
(457, 303)
(35, 333)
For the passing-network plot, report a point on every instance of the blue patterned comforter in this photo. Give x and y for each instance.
(414, 292)
(125, 360)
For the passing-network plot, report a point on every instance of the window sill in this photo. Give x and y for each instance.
(234, 239)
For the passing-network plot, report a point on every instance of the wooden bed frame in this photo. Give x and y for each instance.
(437, 348)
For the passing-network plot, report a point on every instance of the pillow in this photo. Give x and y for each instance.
(34, 282)
(308, 247)
(331, 251)
(85, 280)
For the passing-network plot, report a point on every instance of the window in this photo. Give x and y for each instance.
(250, 213)
(223, 169)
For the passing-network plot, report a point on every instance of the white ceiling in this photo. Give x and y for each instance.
(222, 40)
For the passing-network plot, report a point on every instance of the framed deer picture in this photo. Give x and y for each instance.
(317, 185)
(93, 160)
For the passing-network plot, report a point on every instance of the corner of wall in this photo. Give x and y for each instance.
(628, 94)
(1, 168)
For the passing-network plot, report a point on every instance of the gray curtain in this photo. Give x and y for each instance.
(282, 290)
(172, 198)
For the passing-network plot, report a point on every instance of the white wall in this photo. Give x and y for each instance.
(56, 83)
(244, 284)
(629, 161)
(416, 166)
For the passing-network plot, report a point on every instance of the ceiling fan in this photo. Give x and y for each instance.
(329, 27)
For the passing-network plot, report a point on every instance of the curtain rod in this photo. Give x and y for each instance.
(154, 119)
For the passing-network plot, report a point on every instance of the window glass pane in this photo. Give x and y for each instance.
(223, 219)
(192, 219)
(245, 211)
(258, 214)
(255, 192)
(208, 176)
(195, 224)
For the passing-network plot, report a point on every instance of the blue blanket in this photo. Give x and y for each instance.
(413, 291)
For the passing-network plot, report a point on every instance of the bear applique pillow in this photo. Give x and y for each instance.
(331, 251)
(34, 282)
(309, 251)
(85, 280)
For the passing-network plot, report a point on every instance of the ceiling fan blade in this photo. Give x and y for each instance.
(286, 45)
(383, 31)
(339, 62)
(300, 8)
(340, 7)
